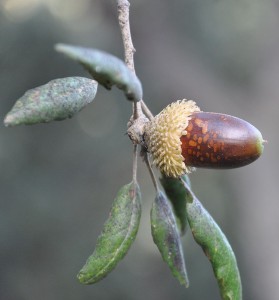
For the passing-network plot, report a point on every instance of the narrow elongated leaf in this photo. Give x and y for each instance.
(177, 194)
(118, 235)
(216, 247)
(166, 237)
(107, 69)
(57, 100)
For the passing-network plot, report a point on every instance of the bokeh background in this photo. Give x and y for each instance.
(58, 180)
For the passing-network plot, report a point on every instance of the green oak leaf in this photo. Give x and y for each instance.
(57, 100)
(107, 69)
(177, 195)
(166, 237)
(117, 236)
(216, 247)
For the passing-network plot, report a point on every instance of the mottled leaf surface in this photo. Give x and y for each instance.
(166, 237)
(57, 100)
(107, 69)
(177, 194)
(117, 236)
(216, 247)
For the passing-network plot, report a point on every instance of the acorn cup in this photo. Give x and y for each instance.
(181, 137)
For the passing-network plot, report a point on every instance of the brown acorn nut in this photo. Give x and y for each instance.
(182, 137)
(220, 141)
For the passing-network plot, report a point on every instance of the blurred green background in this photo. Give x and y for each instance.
(58, 180)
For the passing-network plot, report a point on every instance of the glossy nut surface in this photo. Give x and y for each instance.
(220, 141)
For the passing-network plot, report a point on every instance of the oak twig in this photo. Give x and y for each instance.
(129, 50)
(138, 107)
(124, 23)
(135, 163)
(146, 110)
(152, 175)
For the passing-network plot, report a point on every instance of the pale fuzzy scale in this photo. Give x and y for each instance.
(163, 133)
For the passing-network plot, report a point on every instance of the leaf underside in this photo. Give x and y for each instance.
(166, 236)
(216, 247)
(117, 236)
(57, 100)
(105, 68)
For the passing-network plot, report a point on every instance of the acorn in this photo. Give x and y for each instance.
(181, 137)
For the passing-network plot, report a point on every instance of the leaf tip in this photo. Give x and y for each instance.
(81, 278)
(185, 283)
(9, 121)
(68, 50)
(59, 47)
